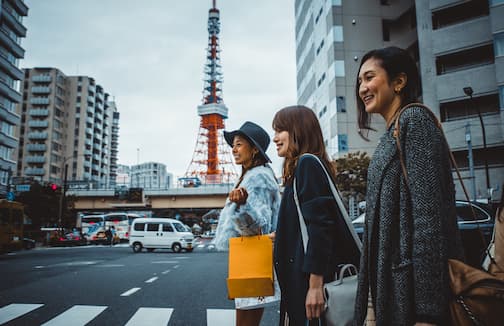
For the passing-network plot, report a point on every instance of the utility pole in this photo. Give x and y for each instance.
(470, 157)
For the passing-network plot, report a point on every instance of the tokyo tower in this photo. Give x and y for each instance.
(211, 162)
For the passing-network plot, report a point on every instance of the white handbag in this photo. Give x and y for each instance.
(340, 294)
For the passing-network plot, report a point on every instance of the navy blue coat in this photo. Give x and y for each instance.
(323, 219)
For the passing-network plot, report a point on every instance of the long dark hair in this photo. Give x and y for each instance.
(305, 136)
(394, 61)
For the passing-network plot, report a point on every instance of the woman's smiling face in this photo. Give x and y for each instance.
(376, 91)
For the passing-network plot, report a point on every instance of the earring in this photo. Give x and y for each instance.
(398, 90)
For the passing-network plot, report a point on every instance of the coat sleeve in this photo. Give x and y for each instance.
(318, 207)
(424, 152)
(256, 215)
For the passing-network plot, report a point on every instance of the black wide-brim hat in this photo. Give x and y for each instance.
(254, 133)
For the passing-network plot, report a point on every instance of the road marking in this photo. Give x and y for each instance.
(39, 266)
(165, 272)
(110, 265)
(165, 262)
(176, 266)
(218, 317)
(14, 310)
(130, 292)
(152, 279)
(150, 316)
(77, 315)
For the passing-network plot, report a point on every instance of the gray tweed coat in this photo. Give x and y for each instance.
(409, 237)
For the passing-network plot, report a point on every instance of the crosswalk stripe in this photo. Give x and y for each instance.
(219, 317)
(150, 316)
(14, 310)
(77, 315)
(129, 292)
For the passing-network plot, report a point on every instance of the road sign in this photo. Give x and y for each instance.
(21, 188)
(10, 196)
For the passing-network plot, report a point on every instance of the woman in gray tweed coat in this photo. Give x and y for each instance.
(411, 230)
(252, 206)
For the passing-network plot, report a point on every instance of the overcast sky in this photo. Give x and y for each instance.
(149, 55)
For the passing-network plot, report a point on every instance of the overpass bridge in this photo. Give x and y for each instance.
(204, 197)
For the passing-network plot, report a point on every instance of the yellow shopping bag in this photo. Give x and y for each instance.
(250, 272)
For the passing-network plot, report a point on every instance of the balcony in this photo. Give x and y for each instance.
(8, 140)
(456, 131)
(41, 90)
(16, 49)
(9, 116)
(37, 135)
(482, 80)
(89, 109)
(462, 35)
(88, 142)
(90, 99)
(16, 26)
(8, 91)
(11, 69)
(36, 147)
(35, 159)
(97, 146)
(38, 124)
(34, 171)
(40, 101)
(42, 79)
(89, 120)
(38, 112)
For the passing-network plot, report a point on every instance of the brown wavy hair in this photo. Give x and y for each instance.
(305, 136)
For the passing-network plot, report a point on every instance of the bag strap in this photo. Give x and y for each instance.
(341, 206)
(396, 135)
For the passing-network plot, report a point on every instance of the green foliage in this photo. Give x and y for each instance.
(351, 174)
(41, 204)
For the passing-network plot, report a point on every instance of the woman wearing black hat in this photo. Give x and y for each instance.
(251, 207)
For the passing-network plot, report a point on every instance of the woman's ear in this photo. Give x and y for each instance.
(400, 82)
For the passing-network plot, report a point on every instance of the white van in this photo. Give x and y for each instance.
(159, 233)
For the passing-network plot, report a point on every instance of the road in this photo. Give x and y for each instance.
(100, 285)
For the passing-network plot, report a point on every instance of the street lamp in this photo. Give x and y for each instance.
(63, 190)
(469, 92)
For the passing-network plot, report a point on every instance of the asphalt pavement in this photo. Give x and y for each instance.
(101, 285)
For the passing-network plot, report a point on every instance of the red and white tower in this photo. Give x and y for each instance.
(211, 161)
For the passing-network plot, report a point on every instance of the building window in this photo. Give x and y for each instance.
(322, 112)
(499, 44)
(318, 15)
(496, 2)
(466, 108)
(501, 96)
(339, 68)
(320, 47)
(461, 60)
(321, 80)
(340, 104)
(337, 33)
(459, 13)
(342, 143)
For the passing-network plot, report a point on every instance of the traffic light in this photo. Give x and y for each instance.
(54, 187)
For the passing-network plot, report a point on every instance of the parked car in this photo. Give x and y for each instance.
(68, 239)
(100, 238)
(28, 243)
(472, 242)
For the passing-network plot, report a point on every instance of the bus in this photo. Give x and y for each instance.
(92, 224)
(121, 223)
(11, 225)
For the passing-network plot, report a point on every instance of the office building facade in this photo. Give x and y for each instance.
(67, 127)
(459, 45)
(12, 31)
(150, 175)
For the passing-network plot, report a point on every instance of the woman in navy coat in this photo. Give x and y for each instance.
(302, 275)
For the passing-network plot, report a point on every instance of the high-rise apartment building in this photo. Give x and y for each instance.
(462, 67)
(68, 125)
(11, 32)
(458, 44)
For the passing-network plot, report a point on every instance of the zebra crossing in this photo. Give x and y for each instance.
(82, 314)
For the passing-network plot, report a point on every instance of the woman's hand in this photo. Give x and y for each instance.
(315, 297)
(238, 195)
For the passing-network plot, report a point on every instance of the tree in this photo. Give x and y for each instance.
(41, 204)
(351, 175)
